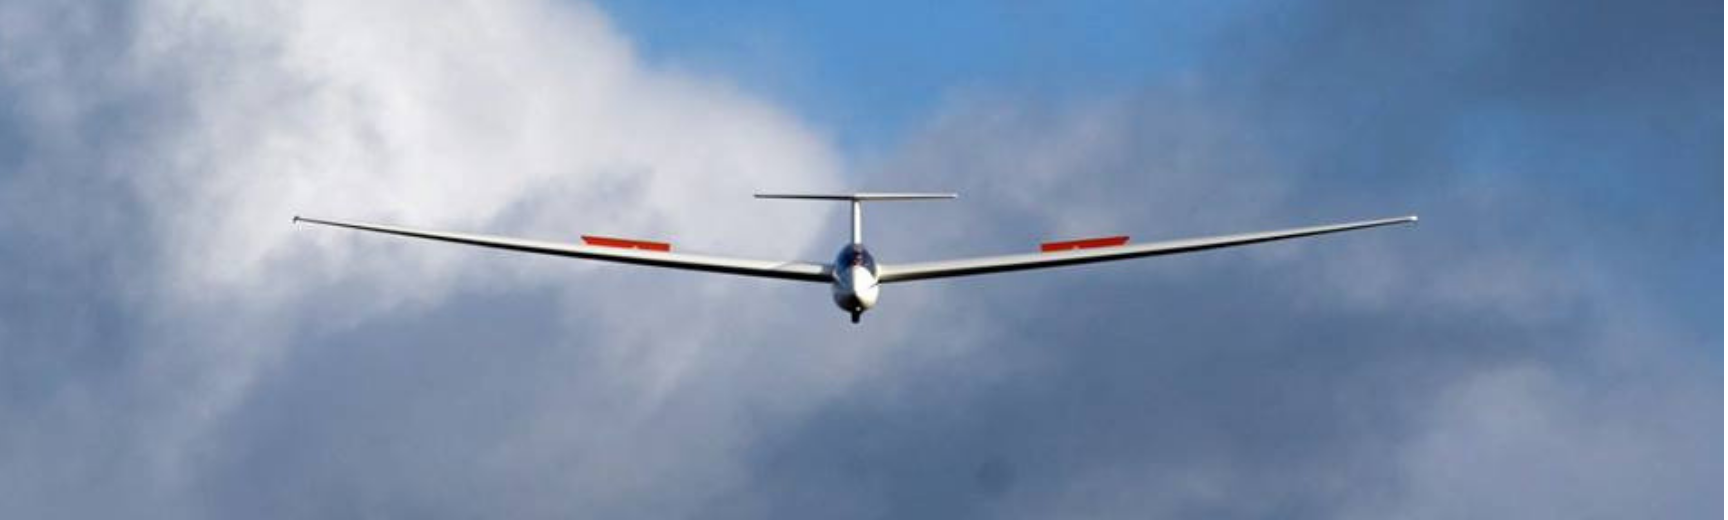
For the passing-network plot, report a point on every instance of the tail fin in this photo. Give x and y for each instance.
(857, 200)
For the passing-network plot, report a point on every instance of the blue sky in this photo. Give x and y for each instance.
(1546, 343)
(869, 72)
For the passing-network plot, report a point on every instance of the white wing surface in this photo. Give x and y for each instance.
(995, 264)
(801, 271)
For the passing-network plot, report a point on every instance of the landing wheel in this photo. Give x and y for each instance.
(855, 315)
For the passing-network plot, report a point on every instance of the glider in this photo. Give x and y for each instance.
(854, 275)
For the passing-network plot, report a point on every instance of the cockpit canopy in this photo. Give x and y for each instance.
(855, 254)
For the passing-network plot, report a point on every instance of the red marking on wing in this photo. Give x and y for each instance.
(626, 243)
(1088, 243)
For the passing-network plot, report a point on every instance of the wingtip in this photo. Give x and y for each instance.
(1412, 218)
(296, 219)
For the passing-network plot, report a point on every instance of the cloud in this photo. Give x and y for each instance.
(1558, 448)
(162, 148)
(1522, 350)
(1362, 375)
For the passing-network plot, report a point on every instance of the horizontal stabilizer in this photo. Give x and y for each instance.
(858, 197)
(857, 200)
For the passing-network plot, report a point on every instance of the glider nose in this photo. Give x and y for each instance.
(864, 287)
(855, 290)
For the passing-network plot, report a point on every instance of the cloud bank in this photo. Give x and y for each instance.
(161, 148)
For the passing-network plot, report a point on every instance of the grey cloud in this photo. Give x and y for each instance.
(1540, 345)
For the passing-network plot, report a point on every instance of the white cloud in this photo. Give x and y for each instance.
(518, 117)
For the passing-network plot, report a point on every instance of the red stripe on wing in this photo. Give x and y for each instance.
(626, 243)
(1087, 243)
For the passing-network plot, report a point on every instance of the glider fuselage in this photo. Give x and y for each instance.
(855, 286)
